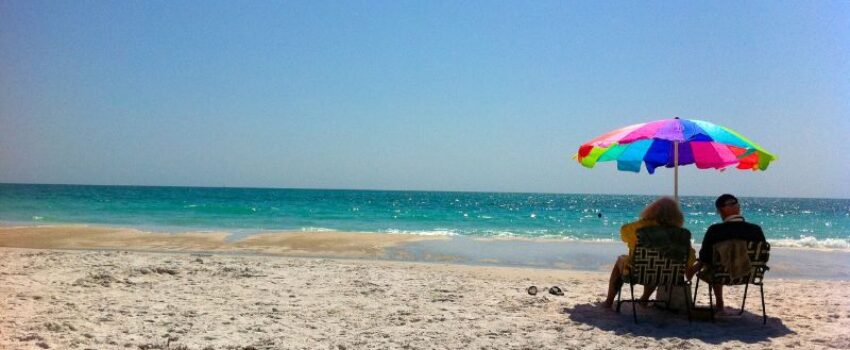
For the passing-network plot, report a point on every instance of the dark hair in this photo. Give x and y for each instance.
(721, 201)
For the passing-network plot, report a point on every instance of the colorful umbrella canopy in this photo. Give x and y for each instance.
(654, 144)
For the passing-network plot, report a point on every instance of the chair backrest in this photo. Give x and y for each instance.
(660, 256)
(758, 253)
(652, 268)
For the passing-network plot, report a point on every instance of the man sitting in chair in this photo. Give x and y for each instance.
(732, 227)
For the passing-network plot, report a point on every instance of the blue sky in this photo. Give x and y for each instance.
(430, 95)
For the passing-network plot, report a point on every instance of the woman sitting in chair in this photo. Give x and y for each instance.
(658, 215)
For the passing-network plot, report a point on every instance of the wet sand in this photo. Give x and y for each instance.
(336, 244)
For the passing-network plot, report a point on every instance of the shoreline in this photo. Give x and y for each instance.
(823, 245)
(791, 263)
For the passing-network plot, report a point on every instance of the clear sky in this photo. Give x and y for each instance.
(429, 95)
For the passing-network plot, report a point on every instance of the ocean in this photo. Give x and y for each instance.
(790, 222)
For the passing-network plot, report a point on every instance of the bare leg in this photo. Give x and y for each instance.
(616, 281)
(647, 292)
(691, 271)
(718, 292)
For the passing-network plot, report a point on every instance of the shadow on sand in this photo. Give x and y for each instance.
(661, 324)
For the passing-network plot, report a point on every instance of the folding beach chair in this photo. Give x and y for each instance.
(658, 266)
(758, 254)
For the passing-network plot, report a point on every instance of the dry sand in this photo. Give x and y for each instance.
(114, 299)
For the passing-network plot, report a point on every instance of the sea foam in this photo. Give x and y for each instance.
(811, 242)
(317, 229)
(438, 232)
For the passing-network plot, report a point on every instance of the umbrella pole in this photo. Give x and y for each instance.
(676, 170)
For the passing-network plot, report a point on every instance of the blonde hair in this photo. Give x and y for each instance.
(664, 211)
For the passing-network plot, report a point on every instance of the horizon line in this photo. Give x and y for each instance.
(394, 190)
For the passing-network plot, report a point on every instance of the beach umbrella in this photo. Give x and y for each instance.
(671, 143)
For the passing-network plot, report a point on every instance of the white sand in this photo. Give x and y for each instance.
(88, 299)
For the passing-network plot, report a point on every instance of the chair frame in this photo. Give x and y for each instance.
(668, 270)
(758, 253)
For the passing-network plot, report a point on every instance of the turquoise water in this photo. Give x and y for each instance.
(245, 211)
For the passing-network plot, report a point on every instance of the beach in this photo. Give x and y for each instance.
(346, 175)
(194, 291)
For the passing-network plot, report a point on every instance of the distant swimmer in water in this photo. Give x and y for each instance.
(599, 214)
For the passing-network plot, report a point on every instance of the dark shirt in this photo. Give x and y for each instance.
(726, 231)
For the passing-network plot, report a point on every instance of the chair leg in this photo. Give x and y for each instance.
(669, 296)
(696, 287)
(619, 291)
(763, 310)
(711, 301)
(744, 302)
(685, 288)
(634, 307)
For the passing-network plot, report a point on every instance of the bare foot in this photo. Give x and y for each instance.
(606, 304)
(722, 311)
